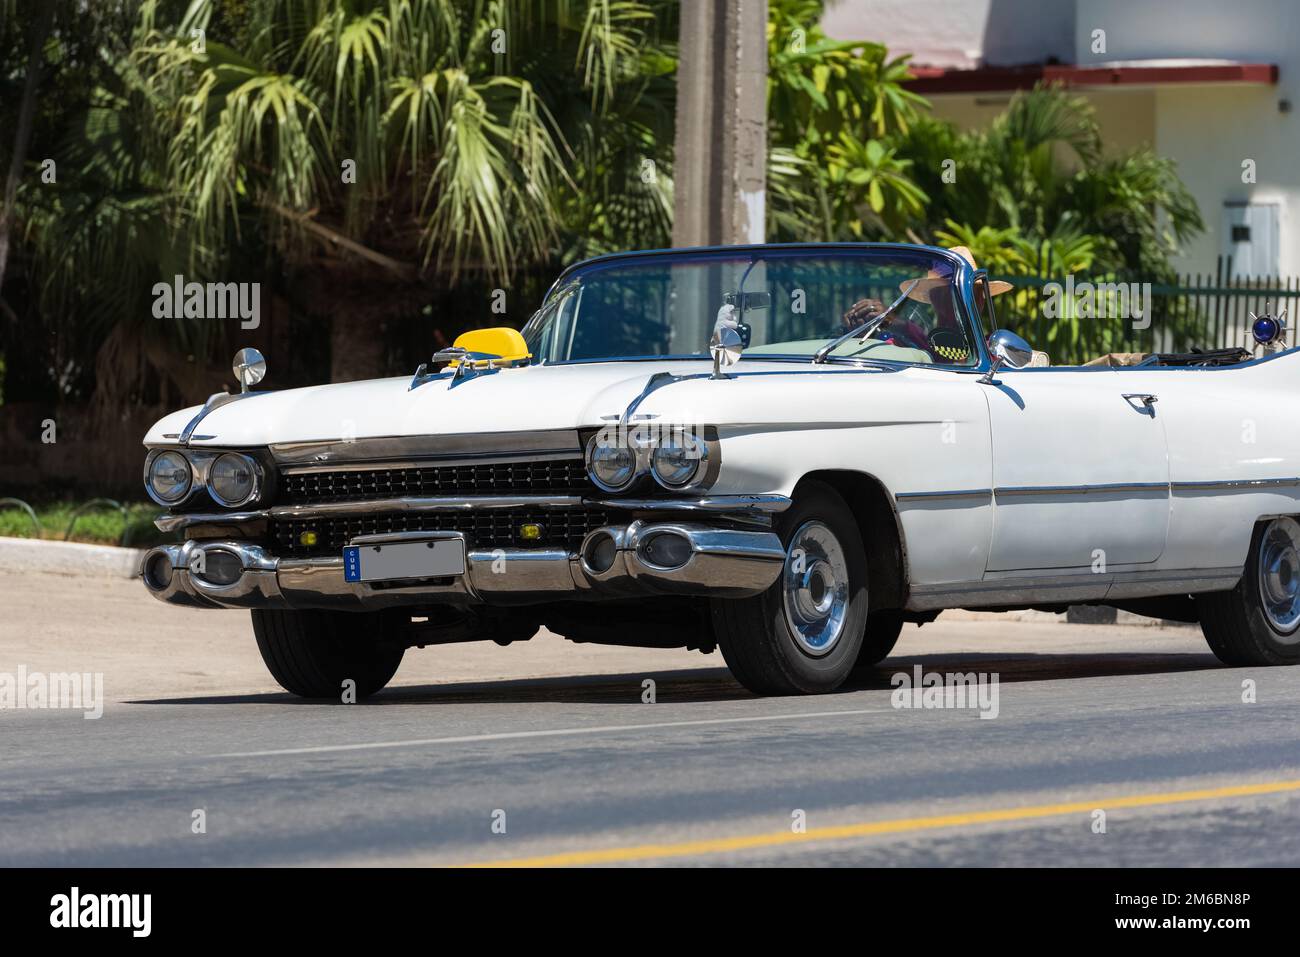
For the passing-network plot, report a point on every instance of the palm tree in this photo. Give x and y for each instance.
(382, 147)
(1038, 171)
(40, 30)
(384, 155)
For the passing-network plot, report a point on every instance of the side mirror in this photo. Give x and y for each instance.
(249, 368)
(1007, 349)
(726, 347)
(1014, 352)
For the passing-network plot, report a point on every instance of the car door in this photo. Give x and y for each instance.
(1080, 471)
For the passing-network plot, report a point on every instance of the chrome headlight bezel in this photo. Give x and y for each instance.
(599, 441)
(255, 488)
(200, 462)
(681, 438)
(188, 490)
(643, 441)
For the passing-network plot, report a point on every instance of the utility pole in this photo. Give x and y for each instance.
(719, 167)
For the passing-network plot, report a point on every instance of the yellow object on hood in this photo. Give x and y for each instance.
(500, 341)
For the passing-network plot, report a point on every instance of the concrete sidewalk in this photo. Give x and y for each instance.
(37, 555)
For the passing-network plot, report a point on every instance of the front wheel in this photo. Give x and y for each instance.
(802, 635)
(1258, 622)
(883, 628)
(312, 653)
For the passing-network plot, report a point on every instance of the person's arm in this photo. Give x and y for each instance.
(861, 311)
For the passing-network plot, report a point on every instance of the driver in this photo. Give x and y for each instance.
(946, 341)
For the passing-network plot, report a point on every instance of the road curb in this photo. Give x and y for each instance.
(68, 558)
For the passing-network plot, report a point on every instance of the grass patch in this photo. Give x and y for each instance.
(101, 525)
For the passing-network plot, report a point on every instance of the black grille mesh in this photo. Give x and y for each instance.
(484, 528)
(496, 478)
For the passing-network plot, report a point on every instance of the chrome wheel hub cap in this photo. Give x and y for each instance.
(1279, 575)
(815, 588)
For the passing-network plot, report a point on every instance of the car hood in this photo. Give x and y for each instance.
(510, 400)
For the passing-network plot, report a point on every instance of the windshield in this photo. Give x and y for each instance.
(784, 303)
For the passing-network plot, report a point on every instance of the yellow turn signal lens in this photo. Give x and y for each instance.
(307, 538)
(530, 532)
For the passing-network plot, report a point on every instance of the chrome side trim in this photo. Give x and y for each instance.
(936, 496)
(1019, 591)
(1014, 491)
(1073, 587)
(1235, 485)
(1176, 581)
(1108, 489)
(430, 447)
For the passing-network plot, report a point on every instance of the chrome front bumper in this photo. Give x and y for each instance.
(613, 562)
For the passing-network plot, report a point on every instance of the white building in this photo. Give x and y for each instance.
(1207, 83)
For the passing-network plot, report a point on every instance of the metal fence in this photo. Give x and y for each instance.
(1199, 311)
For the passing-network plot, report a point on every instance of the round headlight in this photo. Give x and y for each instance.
(169, 477)
(611, 466)
(678, 459)
(232, 479)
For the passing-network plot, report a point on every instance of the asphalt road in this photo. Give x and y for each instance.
(552, 743)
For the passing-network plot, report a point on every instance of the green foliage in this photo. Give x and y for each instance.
(417, 93)
(1036, 178)
(101, 525)
(478, 154)
(1005, 251)
(833, 173)
(482, 158)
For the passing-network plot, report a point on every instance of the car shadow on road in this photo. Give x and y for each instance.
(683, 685)
(1010, 667)
(687, 685)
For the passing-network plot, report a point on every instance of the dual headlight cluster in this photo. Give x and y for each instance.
(232, 479)
(678, 459)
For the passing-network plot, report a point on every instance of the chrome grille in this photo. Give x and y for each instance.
(484, 528)
(567, 476)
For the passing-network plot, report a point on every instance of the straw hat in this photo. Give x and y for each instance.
(935, 278)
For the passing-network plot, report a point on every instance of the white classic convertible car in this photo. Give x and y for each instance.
(781, 451)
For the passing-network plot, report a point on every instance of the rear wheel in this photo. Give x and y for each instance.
(802, 635)
(312, 653)
(1258, 622)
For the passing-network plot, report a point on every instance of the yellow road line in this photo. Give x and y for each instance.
(745, 842)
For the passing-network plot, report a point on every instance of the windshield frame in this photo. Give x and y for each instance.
(963, 281)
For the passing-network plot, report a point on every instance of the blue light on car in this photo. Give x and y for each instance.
(1266, 329)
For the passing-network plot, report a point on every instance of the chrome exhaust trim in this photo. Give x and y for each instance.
(613, 562)
(188, 581)
(165, 572)
(711, 562)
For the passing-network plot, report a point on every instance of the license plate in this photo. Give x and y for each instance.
(388, 561)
